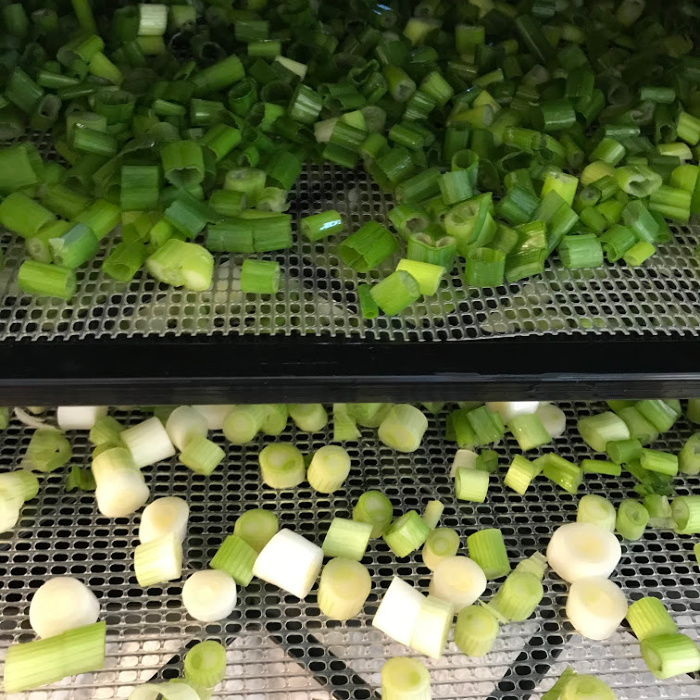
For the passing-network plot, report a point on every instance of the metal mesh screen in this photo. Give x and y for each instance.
(279, 647)
(317, 293)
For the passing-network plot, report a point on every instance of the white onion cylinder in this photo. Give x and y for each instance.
(209, 595)
(464, 459)
(398, 612)
(509, 409)
(185, 423)
(61, 604)
(458, 580)
(290, 562)
(581, 550)
(148, 442)
(214, 415)
(79, 417)
(120, 487)
(595, 607)
(162, 517)
(553, 419)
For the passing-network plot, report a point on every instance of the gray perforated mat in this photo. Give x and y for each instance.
(317, 294)
(279, 647)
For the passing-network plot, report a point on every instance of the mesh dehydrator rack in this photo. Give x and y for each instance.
(283, 649)
(611, 331)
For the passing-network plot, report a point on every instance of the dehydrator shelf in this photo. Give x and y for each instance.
(585, 326)
(284, 649)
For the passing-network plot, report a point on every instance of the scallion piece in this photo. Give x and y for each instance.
(368, 247)
(476, 630)
(237, 558)
(347, 538)
(260, 276)
(406, 534)
(520, 474)
(668, 655)
(328, 470)
(308, 417)
(649, 618)
(562, 472)
(403, 428)
(44, 279)
(282, 466)
(632, 519)
(319, 226)
(375, 508)
(597, 510)
(488, 550)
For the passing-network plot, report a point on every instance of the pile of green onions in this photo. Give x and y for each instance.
(504, 132)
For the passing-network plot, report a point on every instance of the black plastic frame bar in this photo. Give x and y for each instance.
(312, 369)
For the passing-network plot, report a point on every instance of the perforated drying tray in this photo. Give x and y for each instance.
(318, 293)
(279, 647)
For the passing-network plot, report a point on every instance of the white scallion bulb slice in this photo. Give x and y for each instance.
(256, 527)
(464, 459)
(596, 510)
(120, 487)
(214, 415)
(509, 409)
(329, 468)
(162, 517)
(308, 417)
(553, 419)
(209, 595)
(405, 679)
(185, 423)
(442, 542)
(158, 561)
(148, 442)
(595, 607)
(581, 550)
(290, 562)
(79, 417)
(244, 422)
(398, 612)
(282, 465)
(403, 428)
(458, 580)
(344, 587)
(62, 603)
(432, 627)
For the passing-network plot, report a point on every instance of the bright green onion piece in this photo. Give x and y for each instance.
(23, 215)
(476, 630)
(659, 510)
(562, 472)
(520, 474)
(632, 519)
(205, 663)
(529, 431)
(583, 250)
(403, 678)
(488, 550)
(375, 508)
(319, 226)
(487, 425)
(638, 180)
(282, 466)
(260, 276)
(328, 470)
(600, 429)
(689, 456)
(597, 466)
(106, 430)
(101, 217)
(139, 187)
(685, 512)
(442, 542)
(236, 557)
(124, 261)
(688, 128)
(649, 618)
(179, 263)
(44, 279)
(659, 462)
(219, 76)
(406, 534)
(45, 661)
(75, 247)
(432, 513)
(368, 247)
(471, 485)
(202, 456)
(183, 164)
(624, 451)
(669, 655)
(427, 275)
(346, 538)
(63, 201)
(256, 527)
(616, 242)
(518, 596)
(343, 589)
(484, 267)
(597, 510)
(658, 413)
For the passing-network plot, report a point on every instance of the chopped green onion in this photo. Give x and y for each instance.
(668, 655)
(322, 225)
(282, 466)
(600, 429)
(309, 418)
(632, 519)
(347, 538)
(406, 534)
(660, 462)
(403, 428)
(649, 618)
(375, 508)
(518, 596)
(689, 456)
(597, 510)
(685, 512)
(202, 456)
(476, 630)
(427, 275)
(205, 664)
(237, 558)
(368, 247)
(442, 542)
(344, 587)
(487, 549)
(256, 527)
(403, 678)
(328, 469)
(520, 473)
(562, 472)
(597, 466)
